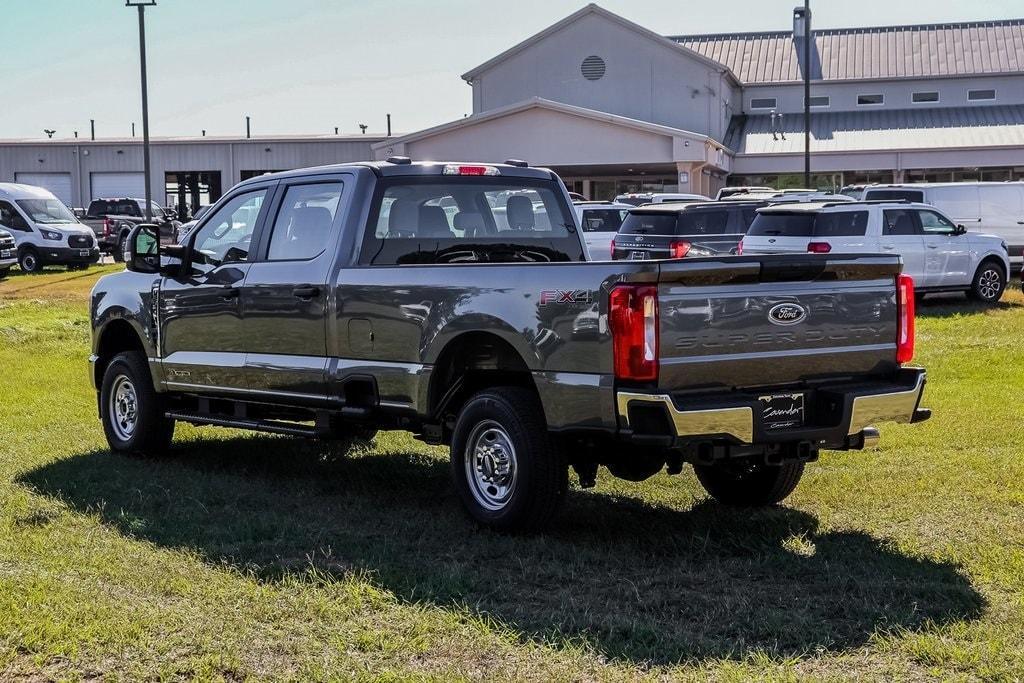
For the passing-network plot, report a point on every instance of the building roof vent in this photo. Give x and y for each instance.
(592, 68)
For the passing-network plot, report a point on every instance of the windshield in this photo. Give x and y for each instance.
(805, 224)
(46, 211)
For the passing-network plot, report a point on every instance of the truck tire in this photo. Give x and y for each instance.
(989, 283)
(28, 261)
(4, 272)
(509, 475)
(743, 484)
(131, 410)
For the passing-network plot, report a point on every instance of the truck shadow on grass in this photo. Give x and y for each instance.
(639, 582)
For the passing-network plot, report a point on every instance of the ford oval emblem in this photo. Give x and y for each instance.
(639, 238)
(786, 314)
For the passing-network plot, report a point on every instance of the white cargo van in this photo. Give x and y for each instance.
(46, 231)
(992, 208)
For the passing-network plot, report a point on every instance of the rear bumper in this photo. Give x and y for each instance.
(839, 416)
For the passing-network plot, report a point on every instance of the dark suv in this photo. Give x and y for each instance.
(671, 230)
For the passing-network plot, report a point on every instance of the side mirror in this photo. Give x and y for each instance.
(144, 249)
(960, 230)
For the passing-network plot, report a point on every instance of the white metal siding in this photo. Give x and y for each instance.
(57, 183)
(112, 185)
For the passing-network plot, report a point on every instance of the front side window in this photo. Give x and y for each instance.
(897, 222)
(841, 224)
(453, 219)
(932, 222)
(302, 228)
(47, 211)
(227, 235)
(10, 218)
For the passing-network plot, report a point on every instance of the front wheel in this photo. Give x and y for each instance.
(748, 484)
(508, 473)
(989, 283)
(131, 410)
(29, 261)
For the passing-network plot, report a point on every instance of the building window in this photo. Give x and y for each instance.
(923, 97)
(978, 95)
(592, 68)
(870, 100)
(819, 100)
(763, 103)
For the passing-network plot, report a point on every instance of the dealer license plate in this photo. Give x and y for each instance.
(7, 253)
(83, 252)
(638, 255)
(780, 411)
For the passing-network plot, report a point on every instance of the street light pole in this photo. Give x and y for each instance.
(141, 5)
(807, 94)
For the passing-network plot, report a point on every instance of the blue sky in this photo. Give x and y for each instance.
(305, 66)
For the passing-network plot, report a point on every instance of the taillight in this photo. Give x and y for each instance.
(819, 247)
(679, 249)
(108, 226)
(904, 318)
(612, 254)
(739, 248)
(633, 319)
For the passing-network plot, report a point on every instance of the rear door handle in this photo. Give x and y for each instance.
(932, 246)
(306, 292)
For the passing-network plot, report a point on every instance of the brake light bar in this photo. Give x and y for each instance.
(819, 247)
(679, 249)
(904, 318)
(633, 319)
(463, 169)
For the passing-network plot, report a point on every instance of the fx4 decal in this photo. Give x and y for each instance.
(565, 296)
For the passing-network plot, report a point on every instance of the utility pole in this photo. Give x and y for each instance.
(807, 91)
(247, 131)
(141, 5)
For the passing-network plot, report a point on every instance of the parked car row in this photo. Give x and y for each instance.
(937, 251)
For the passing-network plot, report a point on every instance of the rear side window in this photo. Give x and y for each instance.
(703, 223)
(841, 224)
(602, 220)
(639, 223)
(441, 219)
(898, 222)
(302, 228)
(894, 195)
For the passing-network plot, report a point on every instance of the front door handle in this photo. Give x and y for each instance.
(932, 246)
(306, 292)
(228, 293)
(888, 246)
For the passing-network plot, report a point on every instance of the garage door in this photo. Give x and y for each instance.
(110, 185)
(57, 183)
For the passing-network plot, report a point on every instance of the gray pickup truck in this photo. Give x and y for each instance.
(453, 301)
(112, 220)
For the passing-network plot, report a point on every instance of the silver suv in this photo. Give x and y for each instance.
(938, 254)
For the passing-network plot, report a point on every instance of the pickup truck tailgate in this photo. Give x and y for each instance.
(772, 320)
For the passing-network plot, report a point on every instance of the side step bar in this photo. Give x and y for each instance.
(270, 426)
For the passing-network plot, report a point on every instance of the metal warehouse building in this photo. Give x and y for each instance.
(616, 107)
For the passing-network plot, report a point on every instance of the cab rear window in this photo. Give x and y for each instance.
(805, 224)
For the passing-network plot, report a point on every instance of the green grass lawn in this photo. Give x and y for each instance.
(244, 556)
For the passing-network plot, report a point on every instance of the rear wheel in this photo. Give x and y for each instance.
(508, 473)
(131, 411)
(29, 261)
(121, 249)
(748, 484)
(989, 283)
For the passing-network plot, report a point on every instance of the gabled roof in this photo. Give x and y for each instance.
(882, 129)
(541, 103)
(610, 16)
(882, 52)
